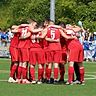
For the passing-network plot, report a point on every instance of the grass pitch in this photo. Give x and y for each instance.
(10, 89)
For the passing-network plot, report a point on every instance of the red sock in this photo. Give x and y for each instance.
(55, 73)
(13, 70)
(11, 65)
(24, 71)
(70, 74)
(81, 74)
(49, 74)
(16, 73)
(46, 71)
(32, 73)
(62, 72)
(40, 72)
(19, 72)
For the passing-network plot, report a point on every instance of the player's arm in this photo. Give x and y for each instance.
(26, 36)
(76, 28)
(66, 36)
(52, 40)
(56, 26)
(37, 30)
(14, 29)
(44, 32)
(23, 25)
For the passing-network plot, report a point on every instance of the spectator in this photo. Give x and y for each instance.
(0, 32)
(94, 47)
(10, 35)
(0, 35)
(4, 39)
(86, 45)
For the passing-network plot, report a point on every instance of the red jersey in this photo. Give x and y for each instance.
(72, 42)
(24, 43)
(15, 40)
(54, 34)
(36, 43)
(45, 44)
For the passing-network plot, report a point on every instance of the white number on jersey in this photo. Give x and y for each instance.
(35, 40)
(52, 34)
(24, 31)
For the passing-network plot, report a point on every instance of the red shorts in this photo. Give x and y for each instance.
(36, 56)
(55, 56)
(76, 54)
(47, 55)
(23, 54)
(14, 54)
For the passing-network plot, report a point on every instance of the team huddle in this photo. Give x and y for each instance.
(49, 46)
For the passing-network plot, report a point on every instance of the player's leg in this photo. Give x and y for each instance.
(12, 73)
(57, 59)
(70, 72)
(73, 57)
(19, 71)
(81, 66)
(40, 73)
(14, 65)
(13, 69)
(25, 60)
(81, 69)
(24, 71)
(32, 61)
(48, 60)
(56, 71)
(77, 73)
(32, 74)
(41, 61)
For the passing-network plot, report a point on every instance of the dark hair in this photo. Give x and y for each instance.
(49, 20)
(62, 24)
(31, 20)
(41, 24)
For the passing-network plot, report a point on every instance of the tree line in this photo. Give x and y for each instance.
(68, 11)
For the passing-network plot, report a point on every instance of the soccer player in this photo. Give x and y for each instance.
(36, 56)
(75, 51)
(14, 53)
(47, 55)
(23, 47)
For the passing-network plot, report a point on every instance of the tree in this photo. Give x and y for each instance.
(68, 11)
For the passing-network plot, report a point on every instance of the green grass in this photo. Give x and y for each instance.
(9, 89)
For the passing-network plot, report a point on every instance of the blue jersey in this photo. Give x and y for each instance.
(4, 36)
(86, 45)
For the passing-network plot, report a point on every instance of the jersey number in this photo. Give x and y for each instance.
(24, 31)
(35, 40)
(52, 34)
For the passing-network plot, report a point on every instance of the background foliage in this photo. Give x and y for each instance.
(69, 11)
